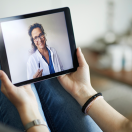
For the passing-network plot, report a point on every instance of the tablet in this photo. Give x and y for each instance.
(37, 46)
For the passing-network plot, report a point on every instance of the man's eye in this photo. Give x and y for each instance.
(35, 38)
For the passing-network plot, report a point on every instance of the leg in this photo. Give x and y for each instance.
(62, 112)
(9, 114)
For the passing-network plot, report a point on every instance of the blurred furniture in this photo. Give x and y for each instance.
(92, 60)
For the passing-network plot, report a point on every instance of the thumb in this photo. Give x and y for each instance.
(81, 60)
(5, 80)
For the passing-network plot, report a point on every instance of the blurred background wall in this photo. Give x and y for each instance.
(89, 16)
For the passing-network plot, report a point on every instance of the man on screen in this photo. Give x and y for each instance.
(44, 60)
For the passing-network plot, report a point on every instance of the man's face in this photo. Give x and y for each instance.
(38, 38)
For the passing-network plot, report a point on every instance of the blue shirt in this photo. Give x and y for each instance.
(51, 68)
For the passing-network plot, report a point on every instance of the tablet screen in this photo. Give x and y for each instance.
(37, 46)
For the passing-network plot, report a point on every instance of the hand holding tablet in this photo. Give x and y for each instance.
(37, 46)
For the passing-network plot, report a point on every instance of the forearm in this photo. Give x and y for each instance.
(28, 115)
(108, 119)
(79, 86)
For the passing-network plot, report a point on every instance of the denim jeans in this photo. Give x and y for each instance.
(57, 107)
(62, 112)
(9, 114)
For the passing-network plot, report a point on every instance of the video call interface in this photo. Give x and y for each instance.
(37, 46)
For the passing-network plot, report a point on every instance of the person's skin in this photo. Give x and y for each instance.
(38, 73)
(79, 86)
(24, 100)
(41, 46)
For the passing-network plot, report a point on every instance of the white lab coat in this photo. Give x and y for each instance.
(36, 60)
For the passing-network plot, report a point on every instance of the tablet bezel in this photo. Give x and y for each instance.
(3, 55)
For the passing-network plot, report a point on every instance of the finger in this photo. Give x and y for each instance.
(60, 77)
(5, 81)
(36, 74)
(63, 76)
(26, 86)
(3, 90)
(81, 60)
(40, 73)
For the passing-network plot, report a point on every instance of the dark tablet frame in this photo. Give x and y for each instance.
(3, 56)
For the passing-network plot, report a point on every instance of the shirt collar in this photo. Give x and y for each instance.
(39, 54)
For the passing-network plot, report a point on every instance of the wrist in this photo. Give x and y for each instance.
(29, 114)
(84, 94)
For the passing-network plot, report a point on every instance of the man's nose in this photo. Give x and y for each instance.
(39, 39)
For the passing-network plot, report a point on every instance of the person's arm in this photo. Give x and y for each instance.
(38, 74)
(108, 118)
(24, 100)
(79, 86)
(31, 73)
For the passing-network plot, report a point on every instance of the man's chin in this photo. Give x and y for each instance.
(41, 47)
